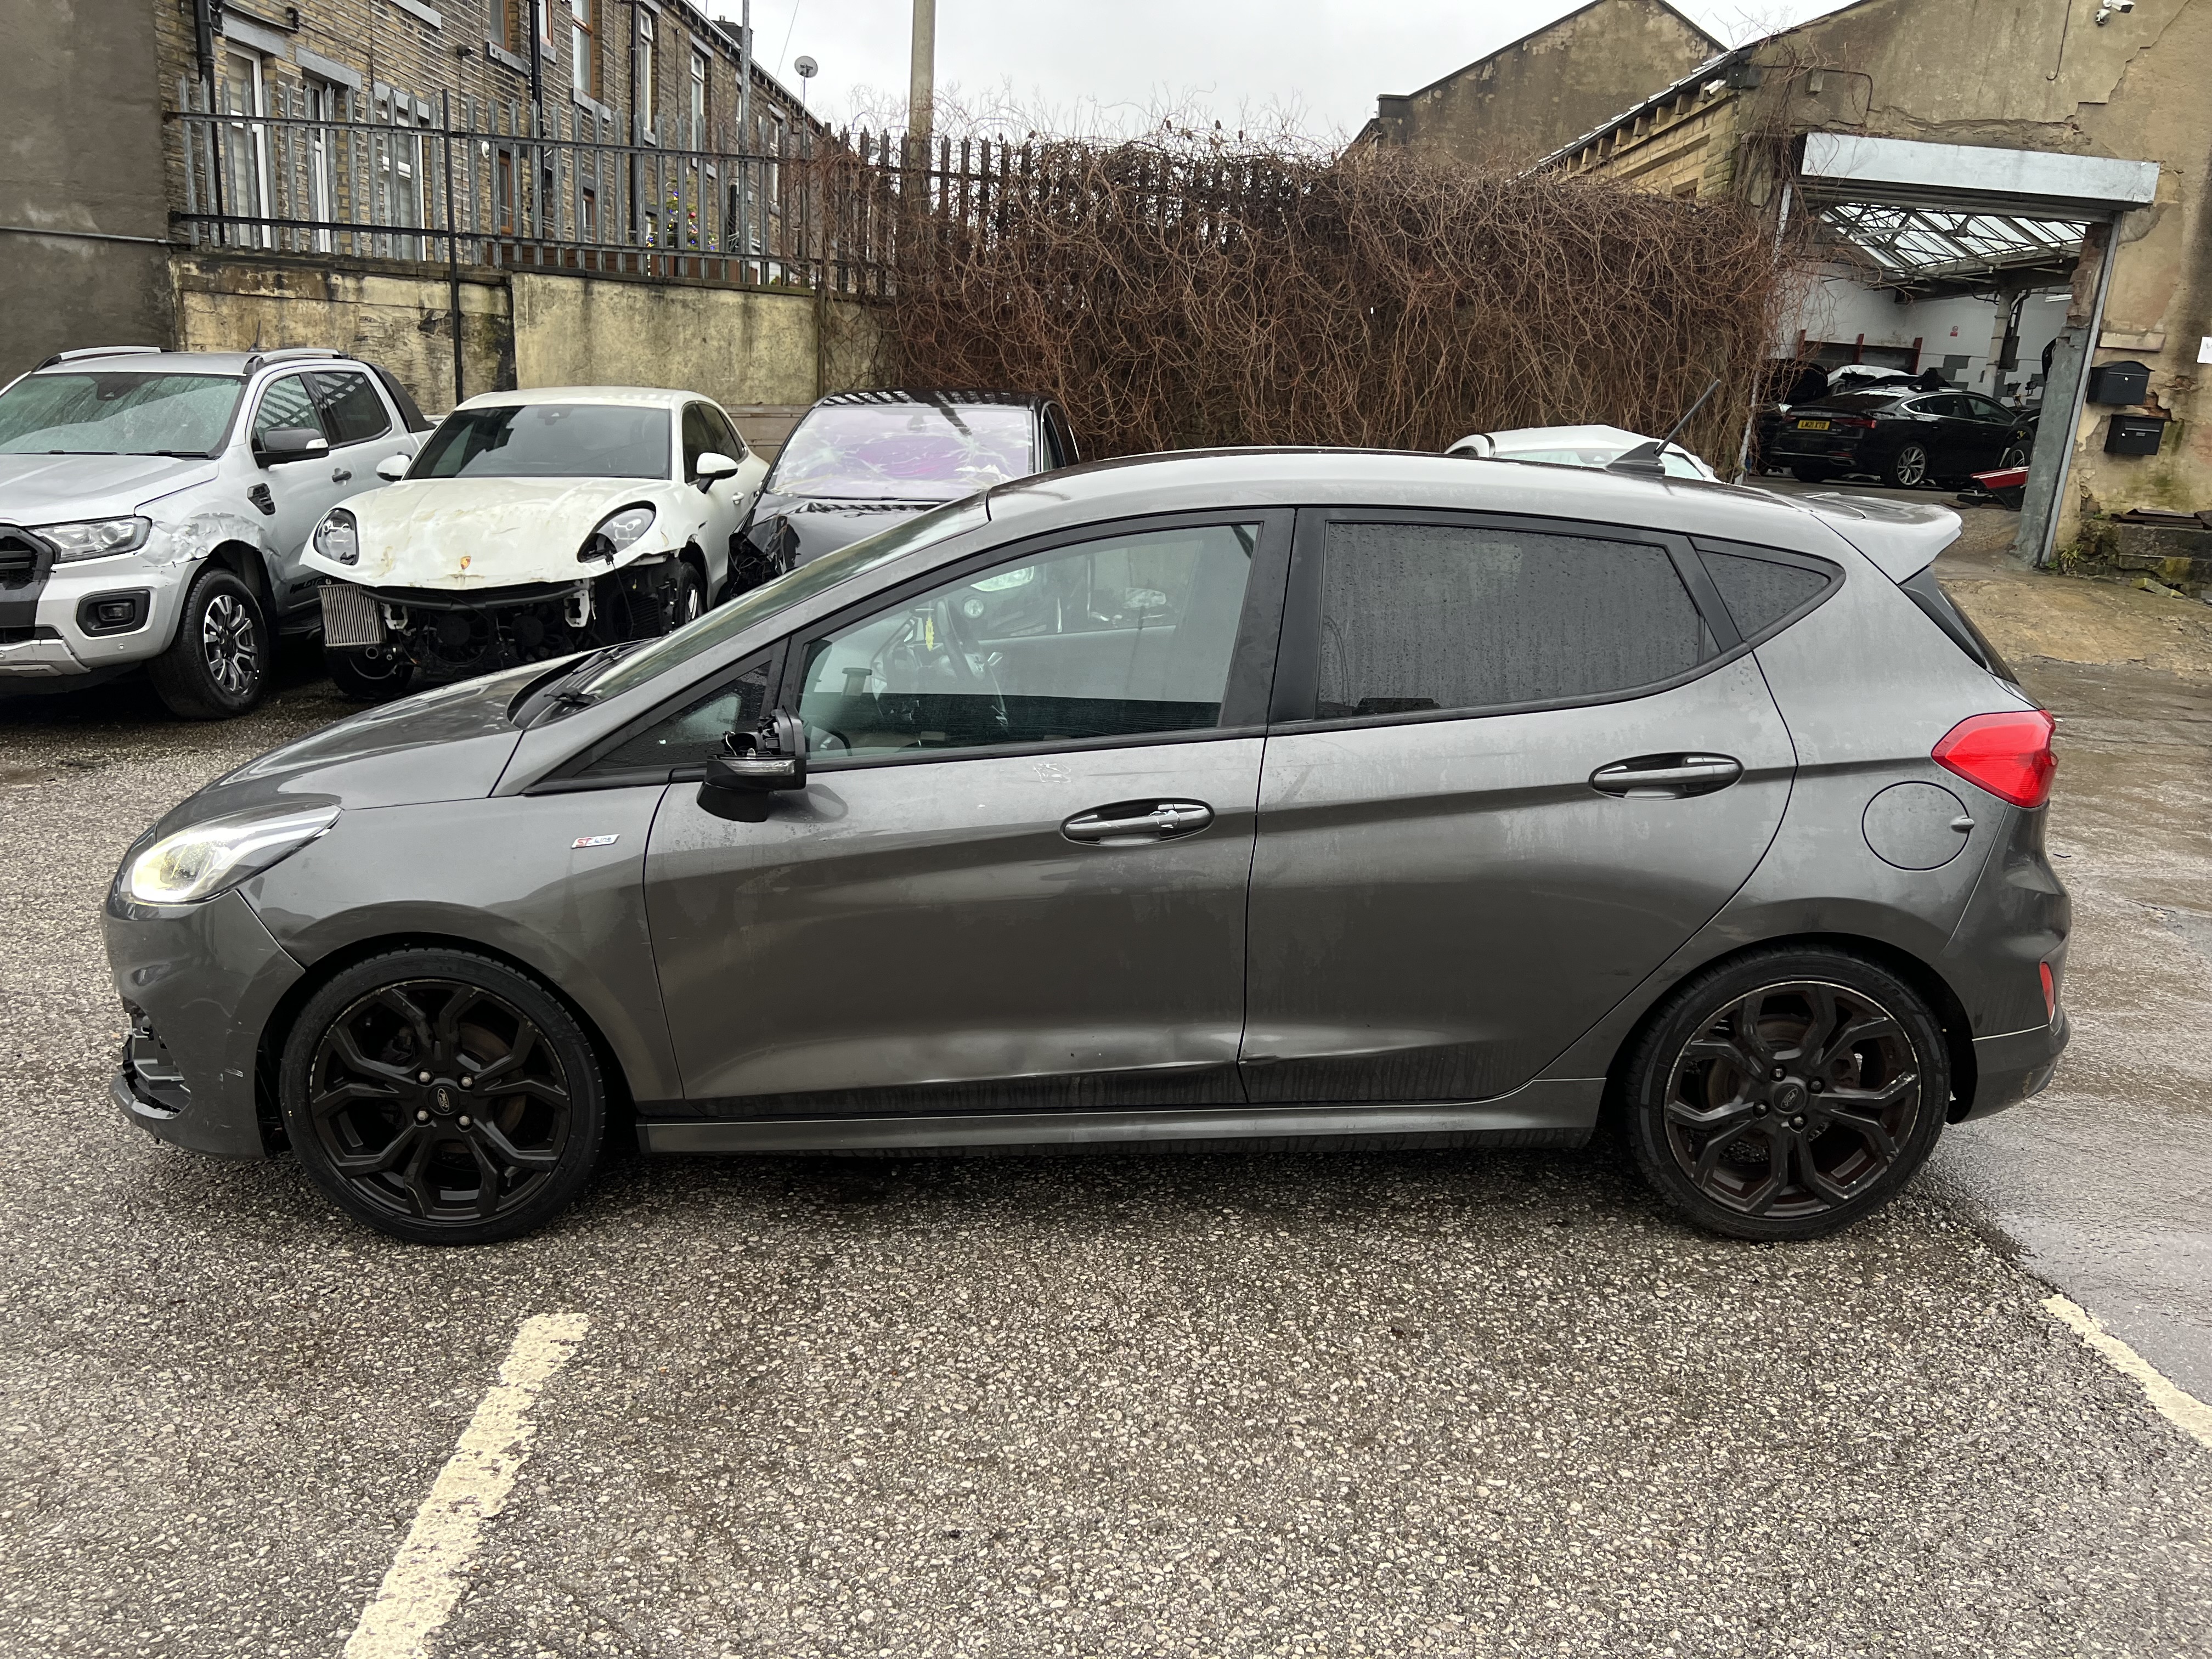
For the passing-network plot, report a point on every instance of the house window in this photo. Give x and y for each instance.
(507, 29)
(244, 143)
(698, 108)
(544, 25)
(647, 90)
(584, 47)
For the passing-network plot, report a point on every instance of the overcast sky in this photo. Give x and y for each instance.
(1082, 63)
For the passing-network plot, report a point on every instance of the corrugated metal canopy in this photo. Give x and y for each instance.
(1931, 249)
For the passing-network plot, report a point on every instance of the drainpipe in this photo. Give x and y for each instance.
(2064, 394)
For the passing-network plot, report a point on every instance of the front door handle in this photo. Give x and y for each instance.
(1672, 776)
(1127, 824)
(341, 476)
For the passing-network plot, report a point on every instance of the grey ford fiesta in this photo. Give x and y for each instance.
(1353, 796)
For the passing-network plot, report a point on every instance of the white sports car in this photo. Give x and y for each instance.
(532, 524)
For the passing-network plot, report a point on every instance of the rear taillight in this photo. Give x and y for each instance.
(1862, 422)
(2050, 992)
(2008, 755)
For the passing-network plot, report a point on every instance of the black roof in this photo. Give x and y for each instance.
(905, 396)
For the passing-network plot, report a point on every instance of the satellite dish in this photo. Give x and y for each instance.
(807, 68)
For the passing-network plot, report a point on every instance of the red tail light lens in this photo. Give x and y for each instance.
(2049, 992)
(2008, 755)
(1864, 423)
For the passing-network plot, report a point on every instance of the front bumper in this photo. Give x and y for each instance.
(2010, 1067)
(60, 647)
(200, 983)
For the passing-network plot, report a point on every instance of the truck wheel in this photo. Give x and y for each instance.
(217, 667)
(375, 675)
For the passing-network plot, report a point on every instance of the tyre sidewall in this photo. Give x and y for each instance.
(1650, 1070)
(347, 673)
(587, 1089)
(180, 674)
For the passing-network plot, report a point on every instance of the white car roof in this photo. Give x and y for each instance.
(643, 397)
(1563, 437)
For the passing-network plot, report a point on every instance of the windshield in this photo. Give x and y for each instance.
(726, 620)
(548, 441)
(117, 414)
(906, 452)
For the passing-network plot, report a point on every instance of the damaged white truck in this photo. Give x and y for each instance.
(533, 525)
(155, 507)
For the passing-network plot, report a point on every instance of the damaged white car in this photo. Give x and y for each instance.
(533, 525)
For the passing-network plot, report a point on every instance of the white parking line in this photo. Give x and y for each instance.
(2183, 1410)
(426, 1576)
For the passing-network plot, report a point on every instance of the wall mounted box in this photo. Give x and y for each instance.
(2134, 434)
(2119, 383)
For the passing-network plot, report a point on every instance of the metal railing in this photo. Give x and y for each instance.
(475, 182)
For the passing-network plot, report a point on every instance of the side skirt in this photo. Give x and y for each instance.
(1545, 1113)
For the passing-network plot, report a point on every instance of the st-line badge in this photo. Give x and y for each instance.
(593, 841)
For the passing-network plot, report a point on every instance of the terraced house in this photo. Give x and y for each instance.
(375, 174)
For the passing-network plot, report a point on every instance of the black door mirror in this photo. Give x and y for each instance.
(771, 756)
(290, 443)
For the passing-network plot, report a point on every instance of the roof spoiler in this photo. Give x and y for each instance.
(1902, 538)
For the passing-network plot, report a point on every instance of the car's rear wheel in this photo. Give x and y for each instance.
(1787, 1094)
(375, 675)
(1805, 472)
(443, 1098)
(217, 666)
(1908, 468)
(2014, 455)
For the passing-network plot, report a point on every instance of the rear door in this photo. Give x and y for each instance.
(1513, 765)
(1993, 429)
(1016, 875)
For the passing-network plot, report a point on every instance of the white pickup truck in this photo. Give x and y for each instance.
(155, 507)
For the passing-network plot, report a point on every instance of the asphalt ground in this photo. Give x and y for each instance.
(1437, 1403)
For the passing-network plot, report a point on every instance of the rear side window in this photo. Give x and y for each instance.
(1760, 592)
(1937, 605)
(1421, 617)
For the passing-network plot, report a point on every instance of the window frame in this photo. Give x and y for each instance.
(261, 397)
(322, 408)
(1298, 669)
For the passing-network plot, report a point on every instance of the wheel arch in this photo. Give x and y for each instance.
(250, 564)
(277, 1029)
(1950, 1012)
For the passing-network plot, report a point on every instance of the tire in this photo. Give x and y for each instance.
(1907, 469)
(217, 666)
(1742, 1152)
(1807, 474)
(365, 678)
(411, 1159)
(2014, 455)
(689, 602)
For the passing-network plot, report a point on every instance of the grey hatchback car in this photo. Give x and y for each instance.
(1349, 797)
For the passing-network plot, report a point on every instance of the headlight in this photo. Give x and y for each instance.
(338, 538)
(200, 862)
(95, 538)
(618, 530)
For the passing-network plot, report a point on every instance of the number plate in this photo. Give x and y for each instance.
(1812, 426)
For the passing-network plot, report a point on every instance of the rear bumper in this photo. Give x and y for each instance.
(2011, 1066)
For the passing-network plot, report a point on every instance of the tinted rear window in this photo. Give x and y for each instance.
(1941, 610)
(1760, 592)
(1419, 618)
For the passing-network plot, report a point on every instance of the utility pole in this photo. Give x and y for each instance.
(920, 95)
(744, 249)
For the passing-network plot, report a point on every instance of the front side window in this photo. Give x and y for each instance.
(691, 735)
(352, 412)
(286, 401)
(698, 437)
(548, 441)
(102, 413)
(906, 452)
(1425, 617)
(1129, 636)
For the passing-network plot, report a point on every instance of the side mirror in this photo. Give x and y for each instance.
(393, 468)
(290, 443)
(774, 756)
(713, 466)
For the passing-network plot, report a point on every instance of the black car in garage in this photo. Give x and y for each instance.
(1904, 436)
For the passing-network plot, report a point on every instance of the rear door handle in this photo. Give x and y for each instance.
(1672, 777)
(1127, 824)
(341, 476)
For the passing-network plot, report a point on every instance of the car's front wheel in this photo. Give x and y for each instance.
(1787, 1094)
(443, 1098)
(218, 664)
(376, 674)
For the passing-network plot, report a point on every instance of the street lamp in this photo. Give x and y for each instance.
(808, 68)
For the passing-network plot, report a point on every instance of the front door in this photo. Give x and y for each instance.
(1509, 775)
(300, 492)
(1016, 878)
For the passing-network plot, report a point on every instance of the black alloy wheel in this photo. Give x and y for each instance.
(2014, 455)
(1908, 468)
(217, 665)
(1788, 1095)
(443, 1098)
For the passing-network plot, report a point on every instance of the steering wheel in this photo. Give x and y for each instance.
(934, 644)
